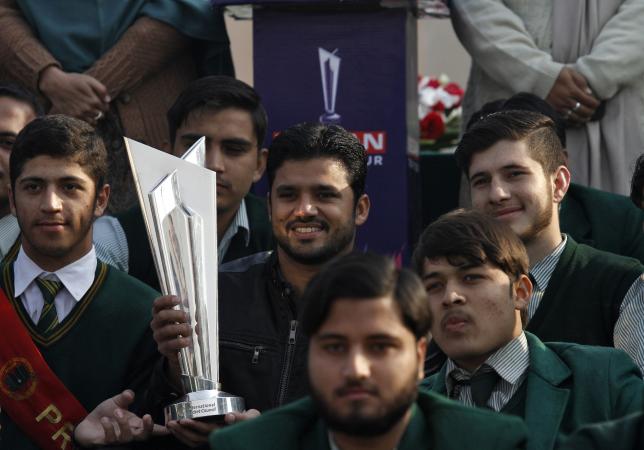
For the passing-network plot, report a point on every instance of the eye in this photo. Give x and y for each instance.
(7, 143)
(479, 182)
(334, 347)
(433, 287)
(71, 187)
(31, 187)
(235, 150)
(379, 347)
(327, 195)
(472, 277)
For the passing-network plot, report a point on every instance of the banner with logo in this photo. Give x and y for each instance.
(354, 67)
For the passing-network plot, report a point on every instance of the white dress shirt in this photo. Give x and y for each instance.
(76, 278)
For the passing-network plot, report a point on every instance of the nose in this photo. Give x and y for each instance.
(51, 201)
(215, 159)
(306, 207)
(452, 295)
(357, 365)
(498, 191)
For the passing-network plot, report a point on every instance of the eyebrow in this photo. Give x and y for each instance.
(7, 134)
(461, 268)
(61, 179)
(238, 141)
(506, 167)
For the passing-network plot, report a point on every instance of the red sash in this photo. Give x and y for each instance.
(30, 393)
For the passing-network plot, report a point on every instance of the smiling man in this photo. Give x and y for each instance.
(368, 323)
(59, 353)
(514, 163)
(475, 272)
(316, 175)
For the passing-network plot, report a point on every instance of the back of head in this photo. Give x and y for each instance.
(315, 140)
(60, 136)
(22, 95)
(362, 277)
(539, 132)
(216, 93)
(471, 238)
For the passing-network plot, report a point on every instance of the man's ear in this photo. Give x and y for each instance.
(561, 183)
(102, 199)
(522, 291)
(362, 209)
(421, 350)
(262, 156)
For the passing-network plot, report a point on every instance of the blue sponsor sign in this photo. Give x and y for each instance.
(354, 67)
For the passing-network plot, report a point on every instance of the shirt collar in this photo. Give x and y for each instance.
(509, 362)
(239, 223)
(542, 271)
(77, 277)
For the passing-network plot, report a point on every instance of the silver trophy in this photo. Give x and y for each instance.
(330, 72)
(178, 200)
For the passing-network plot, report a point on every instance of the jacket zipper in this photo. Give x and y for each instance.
(286, 371)
(256, 349)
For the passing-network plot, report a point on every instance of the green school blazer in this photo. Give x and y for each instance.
(569, 386)
(437, 423)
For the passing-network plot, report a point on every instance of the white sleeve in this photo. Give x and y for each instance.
(498, 41)
(616, 59)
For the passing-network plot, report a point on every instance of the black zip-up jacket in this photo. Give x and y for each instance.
(262, 349)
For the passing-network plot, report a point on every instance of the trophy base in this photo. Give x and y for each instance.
(202, 405)
(330, 118)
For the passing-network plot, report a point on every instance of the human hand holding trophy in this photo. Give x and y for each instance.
(178, 201)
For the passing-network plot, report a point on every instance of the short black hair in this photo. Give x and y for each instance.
(538, 131)
(637, 182)
(365, 276)
(60, 136)
(306, 141)
(217, 93)
(523, 101)
(21, 94)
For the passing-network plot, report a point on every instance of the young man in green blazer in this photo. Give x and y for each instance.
(517, 174)
(368, 323)
(475, 272)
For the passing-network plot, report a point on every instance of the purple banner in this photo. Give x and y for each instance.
(357, 69)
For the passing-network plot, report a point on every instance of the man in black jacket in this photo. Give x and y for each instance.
(317, 178)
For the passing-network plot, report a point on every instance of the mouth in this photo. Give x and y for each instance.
(454, 323)
(506, 212)
(307, 230)
(356, 392)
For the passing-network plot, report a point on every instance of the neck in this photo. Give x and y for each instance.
(224, 219)
(297, 274)
(542, 245)
(54, 263)
(387, 441)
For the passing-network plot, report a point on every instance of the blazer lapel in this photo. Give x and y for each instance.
(546, 401)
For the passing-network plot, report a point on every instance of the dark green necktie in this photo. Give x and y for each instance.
(48, 317)
(482, 384)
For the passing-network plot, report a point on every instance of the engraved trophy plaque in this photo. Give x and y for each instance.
(330, 72)
(178, 200)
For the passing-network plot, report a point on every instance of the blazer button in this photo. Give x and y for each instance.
(125, 98)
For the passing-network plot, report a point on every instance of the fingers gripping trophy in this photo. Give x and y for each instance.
(178, 200)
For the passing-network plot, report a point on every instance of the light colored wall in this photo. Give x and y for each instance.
(439, 51)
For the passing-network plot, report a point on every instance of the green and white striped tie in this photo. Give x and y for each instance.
(49, 316)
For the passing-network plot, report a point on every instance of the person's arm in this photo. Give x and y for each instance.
(143, 50)
(628, 333)
(616, 57)
(497, 40)
(23, 56)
